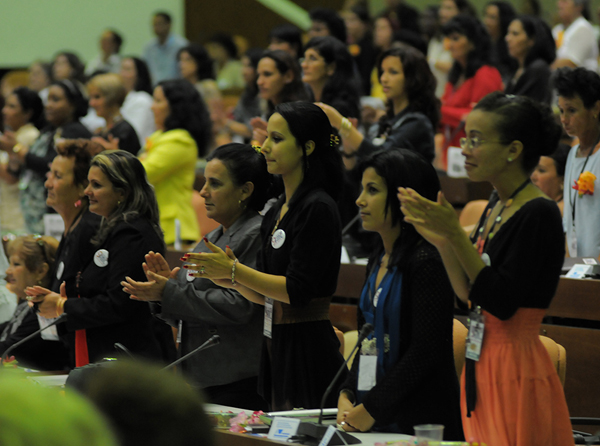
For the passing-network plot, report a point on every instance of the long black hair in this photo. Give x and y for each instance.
(323, 168)
(401, 168)
(30, 102)
(544, 46)
(472, 29)
(342, 86)
(187, 111)
(205, 68)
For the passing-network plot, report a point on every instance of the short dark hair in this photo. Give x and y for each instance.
(323, 168)
(333, 21)
(246, 164)
(402, 168)
(472, 29)
(571, 82)
(30, 102)
(187, 111)
(165, 15)
(288, 33)
(544, 46)
(559, 156)
(204, 64)
(82, 151)
(73, 93)
(226, 42)
(117, 38)
(525, 120)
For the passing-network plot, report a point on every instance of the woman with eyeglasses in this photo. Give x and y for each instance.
(508, 270)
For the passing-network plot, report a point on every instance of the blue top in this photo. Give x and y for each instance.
(162, 59)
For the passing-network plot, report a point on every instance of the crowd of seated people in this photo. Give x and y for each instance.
(121, 149)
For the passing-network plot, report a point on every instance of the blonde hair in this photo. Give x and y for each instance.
(34, 251)
(111, 86)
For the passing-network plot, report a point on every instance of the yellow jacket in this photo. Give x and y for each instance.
(170, 162)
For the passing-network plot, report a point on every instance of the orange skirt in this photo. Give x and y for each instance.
(520, 400)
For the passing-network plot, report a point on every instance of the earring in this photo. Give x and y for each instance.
(78, 203)
(119, 203)
(510, 160)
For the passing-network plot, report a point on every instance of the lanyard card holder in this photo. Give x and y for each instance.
(475, 336)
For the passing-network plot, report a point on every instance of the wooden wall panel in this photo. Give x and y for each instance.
(247, 18)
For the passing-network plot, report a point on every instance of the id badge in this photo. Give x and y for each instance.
(268, 323)
(367, 372)
(475, 336)
(573, 244)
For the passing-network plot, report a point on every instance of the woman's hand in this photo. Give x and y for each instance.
(150, 291)
(335, 118)
(259, 130)
(157, 264)
(7, 141)
(358, 419)
(344, 406)
(47, 300)
(111, 144)
(216, 265)
(435, 221)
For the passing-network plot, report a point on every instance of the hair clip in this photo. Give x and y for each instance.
(38, 239)
(334, 140)
(257, 149)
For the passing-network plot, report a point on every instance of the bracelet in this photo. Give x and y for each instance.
(60, 306)
(345, 127)
(233, 272)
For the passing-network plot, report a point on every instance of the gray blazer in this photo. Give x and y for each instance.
(206, 309)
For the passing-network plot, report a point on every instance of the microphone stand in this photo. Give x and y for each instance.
(58, 320)
(211, 342)
(313, 432)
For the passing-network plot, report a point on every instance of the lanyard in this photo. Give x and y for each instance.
(481, 243)
(574, 199)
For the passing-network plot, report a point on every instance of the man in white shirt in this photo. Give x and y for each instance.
(574, 36)
(160, 54)
(109, 59)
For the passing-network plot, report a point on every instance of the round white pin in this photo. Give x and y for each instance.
(101, 258)
(190, 275)
(278, 239)
(486, 259)
(60, 270)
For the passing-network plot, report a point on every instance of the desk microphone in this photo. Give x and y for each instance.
(59, 319)
(312, 433)
(364, 332)
(211, 342)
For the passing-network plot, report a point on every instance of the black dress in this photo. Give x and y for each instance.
(533, 83)
(422, 386)
(104, 310)
(128, 139)
(303, 356)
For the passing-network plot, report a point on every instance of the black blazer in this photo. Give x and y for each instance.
(104, 310)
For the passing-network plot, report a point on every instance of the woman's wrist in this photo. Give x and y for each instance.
(60, 306)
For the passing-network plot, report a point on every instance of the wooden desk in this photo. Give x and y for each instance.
(459, 191)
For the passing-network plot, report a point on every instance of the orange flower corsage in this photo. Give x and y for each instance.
(585, 184)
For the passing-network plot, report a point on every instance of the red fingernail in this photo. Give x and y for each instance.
(205, 239)
(183, 259)
(227, 246)
(186, 266)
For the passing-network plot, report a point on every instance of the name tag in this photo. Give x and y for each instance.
(474, 340)
(268, 322)
(367, 372)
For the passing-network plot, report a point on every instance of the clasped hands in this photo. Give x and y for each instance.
(353, 418)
